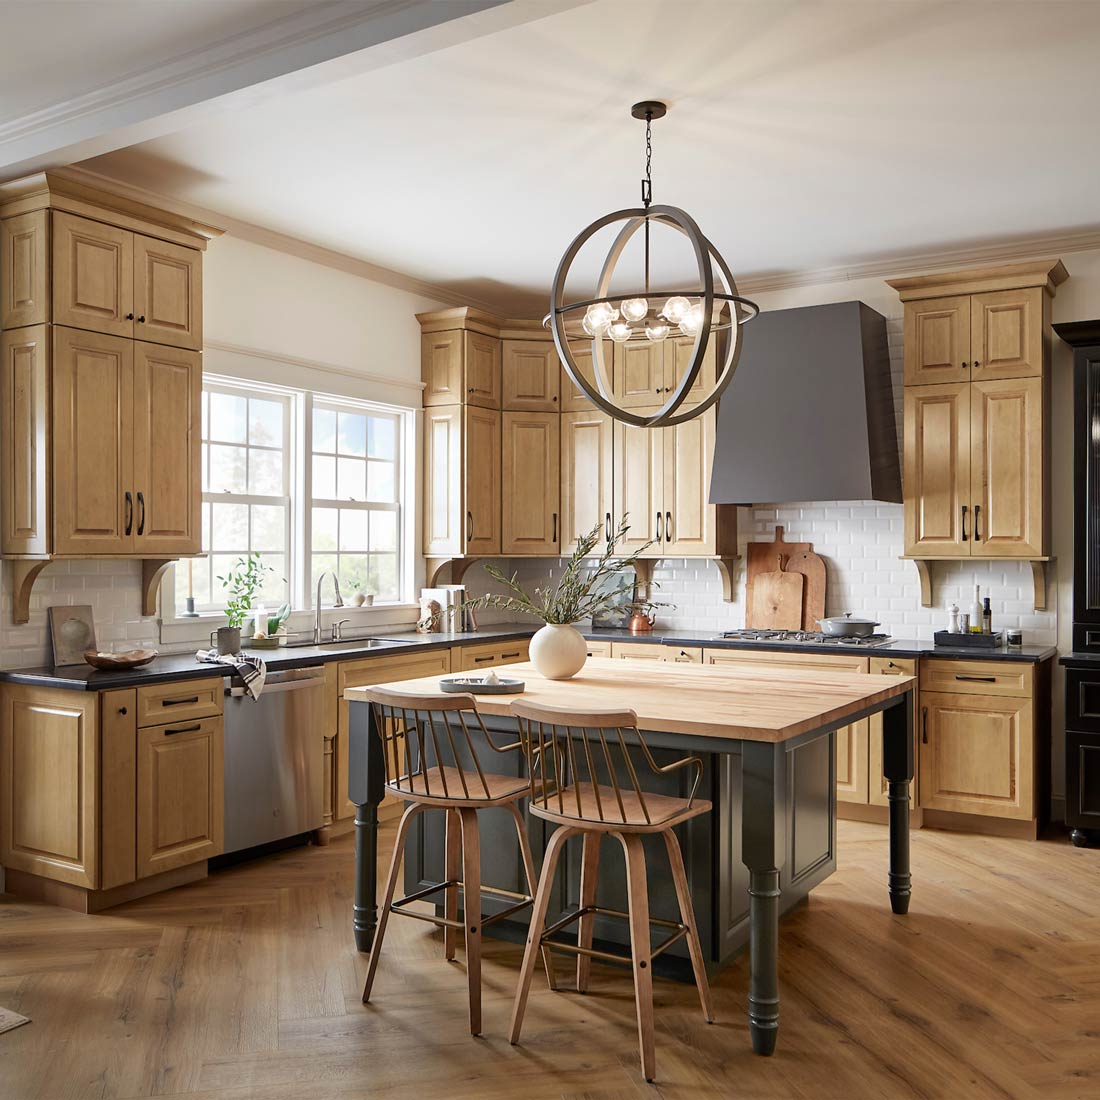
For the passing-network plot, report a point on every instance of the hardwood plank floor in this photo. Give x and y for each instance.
(246, 986)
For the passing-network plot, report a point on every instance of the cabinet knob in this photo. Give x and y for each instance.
(964, 366)
(122, 710)
(129, 316)
(141, 319)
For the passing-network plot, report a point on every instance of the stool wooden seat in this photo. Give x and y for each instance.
(432, 762)
(584, 778)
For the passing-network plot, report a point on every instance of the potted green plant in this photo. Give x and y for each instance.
(242, 582)
(586, 586)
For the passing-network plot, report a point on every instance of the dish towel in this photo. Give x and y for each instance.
(251, 670)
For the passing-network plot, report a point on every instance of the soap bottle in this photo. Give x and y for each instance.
(976, 611)
(987, 617)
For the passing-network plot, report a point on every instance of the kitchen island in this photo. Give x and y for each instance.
(768, 737)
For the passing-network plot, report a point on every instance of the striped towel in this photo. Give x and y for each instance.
(251, 670)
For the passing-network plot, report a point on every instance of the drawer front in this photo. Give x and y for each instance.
(470, 657)
(599, 649)
(655, 651)
(978, 677)
(1083, 700)
(159, 704)
(748, 659)
(381, 670)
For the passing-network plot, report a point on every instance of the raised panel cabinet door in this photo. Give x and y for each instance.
(167, 293)
(49, 771)
(937, 341)
(167, 438)
(93, 407)
(1007, 334)
(482, 370)
(24, 437)
(852, 763)
(531, 376)
(1007, 451)
(876, 784)
(180, 799)
(531, 500)
(25, 270)
(937, 471)
(445, 522)
(585, 477)
(639, 486)
(93, 275)
(689, 529)
(977, 755)
(640, 374)
(678, 355)
(441, 367)
(481, 473)
(573, 398)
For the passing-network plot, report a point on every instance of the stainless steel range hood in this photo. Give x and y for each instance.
(809, 414)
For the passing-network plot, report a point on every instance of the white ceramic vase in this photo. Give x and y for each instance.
(558, 651)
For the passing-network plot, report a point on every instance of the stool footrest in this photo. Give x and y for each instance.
(522, 901)
(679, 932)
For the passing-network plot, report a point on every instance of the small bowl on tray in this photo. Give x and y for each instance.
(115, 662)
(482, 685)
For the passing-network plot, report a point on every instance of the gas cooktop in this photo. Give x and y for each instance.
(805, 637)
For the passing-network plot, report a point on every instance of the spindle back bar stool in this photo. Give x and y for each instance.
(432, 746)
(584, 778)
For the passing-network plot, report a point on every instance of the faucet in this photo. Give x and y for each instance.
(317, 605)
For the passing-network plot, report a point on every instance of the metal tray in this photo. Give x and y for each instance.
(476, 685)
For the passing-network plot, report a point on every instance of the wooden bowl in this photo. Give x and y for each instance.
(132, 658)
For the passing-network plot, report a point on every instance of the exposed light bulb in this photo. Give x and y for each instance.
(692, 321)
(656, 332)
(597, 317)
(675, 309)
(634, 309)
(620, 332)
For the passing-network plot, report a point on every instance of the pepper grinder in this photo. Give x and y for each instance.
(953, 619)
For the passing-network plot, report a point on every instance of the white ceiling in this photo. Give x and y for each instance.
(801, 136)
(55, 50)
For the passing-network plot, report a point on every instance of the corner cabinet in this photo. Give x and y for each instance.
(100, 380)
(977, 414)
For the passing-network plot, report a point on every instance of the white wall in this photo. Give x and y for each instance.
(307, 318)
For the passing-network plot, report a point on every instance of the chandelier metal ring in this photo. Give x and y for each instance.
(707, 258)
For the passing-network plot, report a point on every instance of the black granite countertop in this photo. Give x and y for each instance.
(1079, 660)
(183, 666)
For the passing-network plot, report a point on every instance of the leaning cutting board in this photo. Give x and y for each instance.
(776, 601)
(760, 557)
(812, 568)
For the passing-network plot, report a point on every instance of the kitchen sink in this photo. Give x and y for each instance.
(342, 643)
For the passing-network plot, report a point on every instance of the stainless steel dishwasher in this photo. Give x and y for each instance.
(274, 758)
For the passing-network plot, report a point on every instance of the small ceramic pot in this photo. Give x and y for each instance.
(227, 640)
(358, 599)
(558, 651)
(640, 623)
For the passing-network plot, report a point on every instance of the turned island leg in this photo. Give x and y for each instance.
(366, 786)
(897, 768)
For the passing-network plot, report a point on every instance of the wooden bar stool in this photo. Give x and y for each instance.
(584, 779)
(432, 762)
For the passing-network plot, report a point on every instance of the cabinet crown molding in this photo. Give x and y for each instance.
(467, 318)
(71, 190)
(1049, 274)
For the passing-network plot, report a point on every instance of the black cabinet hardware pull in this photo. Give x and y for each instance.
(179, 702)
(668, 526)
(129, 512)
(129, 316)
(141, 513)
(121, 710)
(977, 679)
(184, 729)
(976, 364)
(479, 660)
(964, 366)
(977, 513)
(141, 319)
(607, 526)
(924, 725)
(964, 535)
(469, 526)
(660, 529)
(554, 531)
(508, 656)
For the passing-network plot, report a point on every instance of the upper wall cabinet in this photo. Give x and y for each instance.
(646, 373)
(100, 378)
(461, 367)
(531, 376)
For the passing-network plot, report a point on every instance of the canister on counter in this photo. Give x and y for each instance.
(964, 622)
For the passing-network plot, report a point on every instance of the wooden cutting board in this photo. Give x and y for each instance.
(812, 568)
(760, 557)
(776, 602)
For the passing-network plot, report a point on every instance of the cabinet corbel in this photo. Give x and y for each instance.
(727, 567)
(24, 574)
(1038, 577)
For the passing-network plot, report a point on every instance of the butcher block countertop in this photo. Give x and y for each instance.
(767, 704)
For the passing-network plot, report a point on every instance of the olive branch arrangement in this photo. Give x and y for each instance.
(582, 590)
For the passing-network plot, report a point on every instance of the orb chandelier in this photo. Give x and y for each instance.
(706, 313)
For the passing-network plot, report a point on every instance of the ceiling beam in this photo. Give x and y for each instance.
(325, 42)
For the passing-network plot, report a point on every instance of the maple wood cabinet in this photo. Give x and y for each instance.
(531, 481)
(100, 379)
(461, 365)
(586, 474)
(646, 373)
(976, 438)
(530, 376)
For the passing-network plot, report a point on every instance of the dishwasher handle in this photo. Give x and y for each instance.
(278, 682)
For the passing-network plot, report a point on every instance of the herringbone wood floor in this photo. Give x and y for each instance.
(246, 987)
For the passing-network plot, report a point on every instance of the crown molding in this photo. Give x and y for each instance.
(280, 242)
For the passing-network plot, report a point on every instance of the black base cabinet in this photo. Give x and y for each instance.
(1082, 748)
(711, 844)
